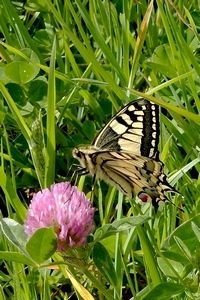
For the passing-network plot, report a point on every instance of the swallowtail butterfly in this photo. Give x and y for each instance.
(125, 153)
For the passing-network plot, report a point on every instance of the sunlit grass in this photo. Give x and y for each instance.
(85, 60)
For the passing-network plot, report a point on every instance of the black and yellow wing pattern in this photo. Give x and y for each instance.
(125, 153)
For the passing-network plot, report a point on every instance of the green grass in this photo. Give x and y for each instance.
(66, 68)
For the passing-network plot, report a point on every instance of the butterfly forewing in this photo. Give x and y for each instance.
(135, 128)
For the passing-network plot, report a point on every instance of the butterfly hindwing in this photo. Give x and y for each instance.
(130, 173)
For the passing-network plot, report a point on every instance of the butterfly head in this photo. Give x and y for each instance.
(79, 154)
(83, 155)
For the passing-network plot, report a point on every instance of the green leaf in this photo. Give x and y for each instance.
(19, 72)
(129, 222)
(23, 68)
(176, 256)
(42, 244)
(37, 5)
(183, 247)
(89, 129)
(50, 147)
(196, 230)
(163, 291)
(185, 234)
(37, 90)
(14, 232)
(104, 263)
(16, 257)
(161, 61)
(17, 93)
(170, 267)
(119, 225)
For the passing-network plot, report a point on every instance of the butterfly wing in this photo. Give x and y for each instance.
(132, 174)
(135, 128)
(125, 153)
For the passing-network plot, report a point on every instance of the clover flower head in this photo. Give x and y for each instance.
(64, 208)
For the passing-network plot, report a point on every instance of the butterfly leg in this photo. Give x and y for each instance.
(79, 171)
